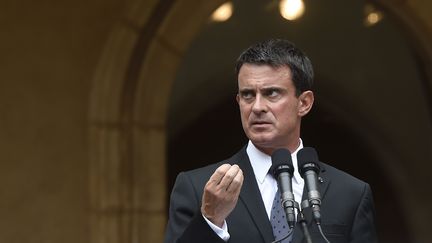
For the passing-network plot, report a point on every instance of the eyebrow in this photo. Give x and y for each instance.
(272, 88)
(246, 89)
(263, 88)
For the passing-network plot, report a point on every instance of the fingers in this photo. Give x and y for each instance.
(236, 183)
(232, 179)
(219, 174)
(221, 193)
(225, 175)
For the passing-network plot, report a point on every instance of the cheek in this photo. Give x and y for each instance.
(244, 117)
(244, 112)
(284, 114)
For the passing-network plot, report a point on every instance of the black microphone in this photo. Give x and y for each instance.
(283, 170)
(307, 159)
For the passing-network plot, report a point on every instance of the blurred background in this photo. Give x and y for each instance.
(103, 103)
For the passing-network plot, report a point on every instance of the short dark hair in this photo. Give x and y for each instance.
(277, 53)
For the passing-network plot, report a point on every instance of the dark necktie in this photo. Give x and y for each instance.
(278, 220)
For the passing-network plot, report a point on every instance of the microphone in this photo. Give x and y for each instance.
(307, 159)
(283, 170)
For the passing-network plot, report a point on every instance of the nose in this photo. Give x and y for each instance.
(259, 105)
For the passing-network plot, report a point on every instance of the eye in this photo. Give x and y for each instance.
(272, 93)
(247, 95)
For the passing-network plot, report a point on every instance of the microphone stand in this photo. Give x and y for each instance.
(306, 204)
(302, 221)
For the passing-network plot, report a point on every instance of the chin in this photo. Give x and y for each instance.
(261, 141)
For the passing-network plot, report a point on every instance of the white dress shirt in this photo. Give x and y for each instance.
(267, 184)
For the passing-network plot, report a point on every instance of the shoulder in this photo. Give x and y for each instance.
(338, 174)
(343, 180)
(344, 194)
(210, 169)
(200, 176)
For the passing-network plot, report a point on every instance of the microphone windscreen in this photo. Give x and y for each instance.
(281, 161)
(307, 159)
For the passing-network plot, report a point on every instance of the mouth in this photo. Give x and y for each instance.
(260, 123)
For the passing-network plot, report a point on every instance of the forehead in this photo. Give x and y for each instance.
(254, 74)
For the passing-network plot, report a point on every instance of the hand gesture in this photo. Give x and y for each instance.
(221, 193)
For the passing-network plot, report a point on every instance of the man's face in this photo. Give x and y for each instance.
(270, 111)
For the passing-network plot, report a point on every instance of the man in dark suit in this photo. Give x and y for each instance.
(232, 201)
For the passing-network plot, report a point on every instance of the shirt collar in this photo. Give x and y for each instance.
(261, 162)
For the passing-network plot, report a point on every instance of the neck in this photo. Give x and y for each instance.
(269, 150)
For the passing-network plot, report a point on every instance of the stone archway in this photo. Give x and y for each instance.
(416, 24)
(127, 117)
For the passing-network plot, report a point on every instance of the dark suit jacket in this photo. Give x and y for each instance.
(347, 209)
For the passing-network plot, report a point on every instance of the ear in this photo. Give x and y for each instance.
(238, 99)
(306, 100)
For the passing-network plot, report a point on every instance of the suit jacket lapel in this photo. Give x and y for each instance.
(251, 198)
(323, 183)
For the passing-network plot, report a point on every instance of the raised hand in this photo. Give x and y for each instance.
(221, 193)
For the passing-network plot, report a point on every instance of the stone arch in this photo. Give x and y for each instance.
(127, 118)
(127, 115)
(418, 33)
